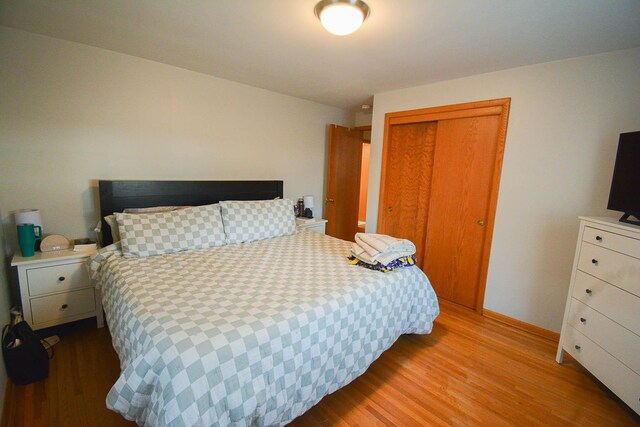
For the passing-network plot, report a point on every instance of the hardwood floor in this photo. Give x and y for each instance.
(470, 371)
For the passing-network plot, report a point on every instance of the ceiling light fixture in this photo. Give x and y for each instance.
(341, 17)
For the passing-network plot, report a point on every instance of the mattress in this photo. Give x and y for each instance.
(249, 334)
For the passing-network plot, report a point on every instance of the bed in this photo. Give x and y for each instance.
(247, 333)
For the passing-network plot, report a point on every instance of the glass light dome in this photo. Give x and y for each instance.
(342, 17)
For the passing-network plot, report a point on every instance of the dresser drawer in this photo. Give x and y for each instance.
(615, 242)
(620, 342)
(57, 278)
(613, 267)
(60, 306)
(613, 302)
(619, 378)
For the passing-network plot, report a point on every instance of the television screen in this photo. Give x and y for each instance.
(625, 185)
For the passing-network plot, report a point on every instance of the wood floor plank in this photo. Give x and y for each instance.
(470, 371)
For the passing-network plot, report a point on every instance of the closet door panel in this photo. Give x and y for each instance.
(439, 187)
(463, 171)
(407, 182)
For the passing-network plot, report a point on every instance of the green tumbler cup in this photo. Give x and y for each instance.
(27, 238)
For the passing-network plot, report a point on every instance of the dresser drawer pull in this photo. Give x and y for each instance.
(588, 291)
(61, 279)
(594, 261)
(578, 347)
(583, 320)
(599, 239)
(63, 307)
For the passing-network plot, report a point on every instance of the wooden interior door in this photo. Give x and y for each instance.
(364, 181)
(343, 182)
(407, 171)
(463, 170)
(451, 171)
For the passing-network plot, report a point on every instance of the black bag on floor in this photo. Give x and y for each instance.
(25, 357)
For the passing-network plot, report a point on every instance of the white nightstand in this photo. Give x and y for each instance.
(317, 224)
(55, 288)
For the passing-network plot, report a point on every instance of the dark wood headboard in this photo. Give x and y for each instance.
(115, 196)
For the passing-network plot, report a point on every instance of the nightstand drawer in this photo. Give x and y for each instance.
(618, 269)
(318, 225)
(60, 306)
(318, 228)
(57, 278)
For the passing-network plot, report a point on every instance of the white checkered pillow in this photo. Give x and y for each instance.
(160, 233)
(247, 221)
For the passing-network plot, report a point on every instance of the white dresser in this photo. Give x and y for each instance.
(601, 327)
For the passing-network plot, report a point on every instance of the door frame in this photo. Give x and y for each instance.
(456, 111)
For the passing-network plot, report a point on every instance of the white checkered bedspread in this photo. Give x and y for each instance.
(250, 334)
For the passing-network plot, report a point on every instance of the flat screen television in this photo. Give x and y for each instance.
(625, 184)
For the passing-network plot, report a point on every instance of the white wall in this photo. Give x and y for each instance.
(563, 131)
(71, 114)
(362, 118)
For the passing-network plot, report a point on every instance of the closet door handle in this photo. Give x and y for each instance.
(330, 200)
(390, 208)
(480, 222)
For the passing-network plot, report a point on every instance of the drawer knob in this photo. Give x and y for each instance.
(594, 261)
(583, 320)
(577, 347)
(588, 291)
(63, 307)
(599, 239)
(61, 279)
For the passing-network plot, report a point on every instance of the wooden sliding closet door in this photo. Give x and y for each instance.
(459, 207)
(408, 182)
(439, 186)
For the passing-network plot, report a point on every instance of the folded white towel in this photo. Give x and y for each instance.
(373, 248)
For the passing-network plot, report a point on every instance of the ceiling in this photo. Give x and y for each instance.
(280, 45)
